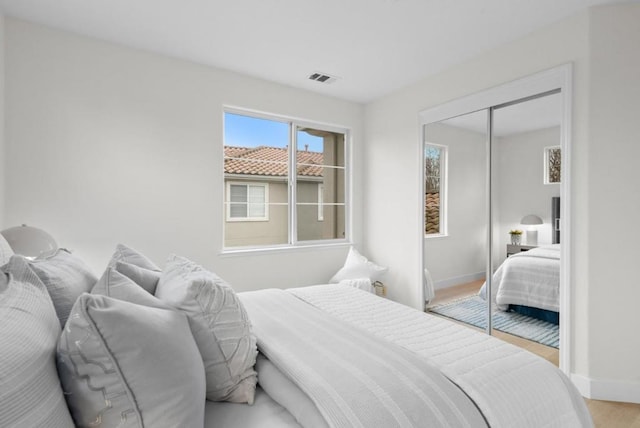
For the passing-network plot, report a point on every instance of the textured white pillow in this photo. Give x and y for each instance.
(30, 393)
(66, 277)
(219, 324)
(123, 364)
(136, 266)
(5, 251)
(357, 266)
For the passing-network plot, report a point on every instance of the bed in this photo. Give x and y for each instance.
(179, 347)
(529, 283)
(332, 355)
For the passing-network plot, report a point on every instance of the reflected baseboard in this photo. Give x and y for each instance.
(463, 279)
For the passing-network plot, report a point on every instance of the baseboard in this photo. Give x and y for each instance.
(450, 282)
(607, 390)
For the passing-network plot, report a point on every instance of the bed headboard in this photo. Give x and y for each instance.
(555, 219)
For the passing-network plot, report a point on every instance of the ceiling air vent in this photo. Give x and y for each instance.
(322, 78)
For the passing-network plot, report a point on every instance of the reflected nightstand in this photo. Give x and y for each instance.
(514, 249)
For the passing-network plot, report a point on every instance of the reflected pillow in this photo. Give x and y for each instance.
(123, 364)
(219, 324)
(66, 277)
(30, 393)
(357, 266)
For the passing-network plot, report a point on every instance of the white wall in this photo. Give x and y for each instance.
(614, 200)
(460, 256)
(109, 144)
(519, 186)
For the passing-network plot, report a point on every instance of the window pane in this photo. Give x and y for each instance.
(238, 193)
(256, 150)
(320, 165)
(432, 176)
(553, 165)
(257, 156)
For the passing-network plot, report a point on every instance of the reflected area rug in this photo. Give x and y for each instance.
(472, 310)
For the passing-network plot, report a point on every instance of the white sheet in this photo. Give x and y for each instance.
(511, 386)
(530, 278)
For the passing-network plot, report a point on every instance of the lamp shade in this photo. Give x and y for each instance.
(531, 219)
(29, 241)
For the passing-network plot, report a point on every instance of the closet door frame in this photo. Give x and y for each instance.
(553, 79)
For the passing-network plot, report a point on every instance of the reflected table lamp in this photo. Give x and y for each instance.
(531, 221)
(29, 241)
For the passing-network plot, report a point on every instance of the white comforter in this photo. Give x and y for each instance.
(354, 378)
(512, 387)
(530, 278)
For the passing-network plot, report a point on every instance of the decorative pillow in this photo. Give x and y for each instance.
(357, 266)
(116, 285)
(145, 278)
(123, 364)
(66, 277)
(136, 266)
(5, 251)
(30, 393)
(219, 324)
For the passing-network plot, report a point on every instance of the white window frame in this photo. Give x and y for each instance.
(248, 184)
(294, 124)
(320, 201)
(444, 179)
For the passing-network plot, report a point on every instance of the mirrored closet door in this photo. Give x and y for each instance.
(492, 189)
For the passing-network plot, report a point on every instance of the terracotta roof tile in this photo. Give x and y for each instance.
(269, 161)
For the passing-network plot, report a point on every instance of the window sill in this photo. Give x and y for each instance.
(231, 252)
(436, 236)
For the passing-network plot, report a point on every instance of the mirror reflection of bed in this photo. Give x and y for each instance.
(526, 277)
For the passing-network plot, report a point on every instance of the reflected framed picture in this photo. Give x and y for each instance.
(552, 165)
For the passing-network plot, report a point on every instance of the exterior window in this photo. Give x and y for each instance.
(285, 182)
(248, 202)
(435, 195)
(552, 164)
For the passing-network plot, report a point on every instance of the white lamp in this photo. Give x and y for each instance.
(532, 221)
(29, 241)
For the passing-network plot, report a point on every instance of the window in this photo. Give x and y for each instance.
(248, 202)
(552, 164)
(285, 182)
(434, 188)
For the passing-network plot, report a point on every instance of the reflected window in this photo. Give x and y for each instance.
(434, 176)
(552, 164)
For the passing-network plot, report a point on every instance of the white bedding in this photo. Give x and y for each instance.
(530, 278)
(512, 387)
(354, 378)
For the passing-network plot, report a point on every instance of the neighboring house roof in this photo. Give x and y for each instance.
(432, 212)
(270, 161)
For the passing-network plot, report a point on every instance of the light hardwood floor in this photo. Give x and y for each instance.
(605, 414)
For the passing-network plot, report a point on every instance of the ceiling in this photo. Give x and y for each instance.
(373, 47)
